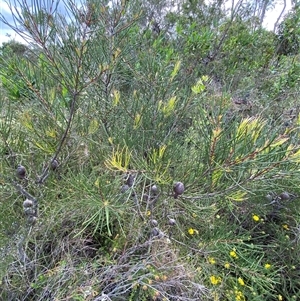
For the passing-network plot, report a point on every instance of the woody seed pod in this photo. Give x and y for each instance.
(155, 231)
(154, 189)
(21, 171)
(172, 222)
(32, 220)
(284, 196)
(178, 189)
(154, 222)
(27, 203)
(130, 180)
(161, 234)
(54, 164)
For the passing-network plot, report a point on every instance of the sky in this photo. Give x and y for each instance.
(7, 34)
(4, 30)
(273, 15)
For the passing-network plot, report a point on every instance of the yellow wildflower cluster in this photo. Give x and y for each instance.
(211, 260)
(255, 218)
(215, 280)
(233, 254)
(239, 296)
(215, 296)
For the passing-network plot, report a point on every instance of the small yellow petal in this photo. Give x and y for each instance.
(285, 227)
(267, 266)
(191, 231)
(233, 254)
(211, 260)
(241, 281)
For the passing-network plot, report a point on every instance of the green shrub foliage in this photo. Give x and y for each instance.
(149, 152)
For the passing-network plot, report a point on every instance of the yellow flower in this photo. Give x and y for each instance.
(241, 281)
(285, 227)
(239, 296)
(267, 266)
(280, 298)
(192, 231)
(216, 297)
(233, 254)
(211, 260)
(215, 280)
(255, 217)
(227, 265)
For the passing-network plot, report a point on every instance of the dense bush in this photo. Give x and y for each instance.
(128, 176)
